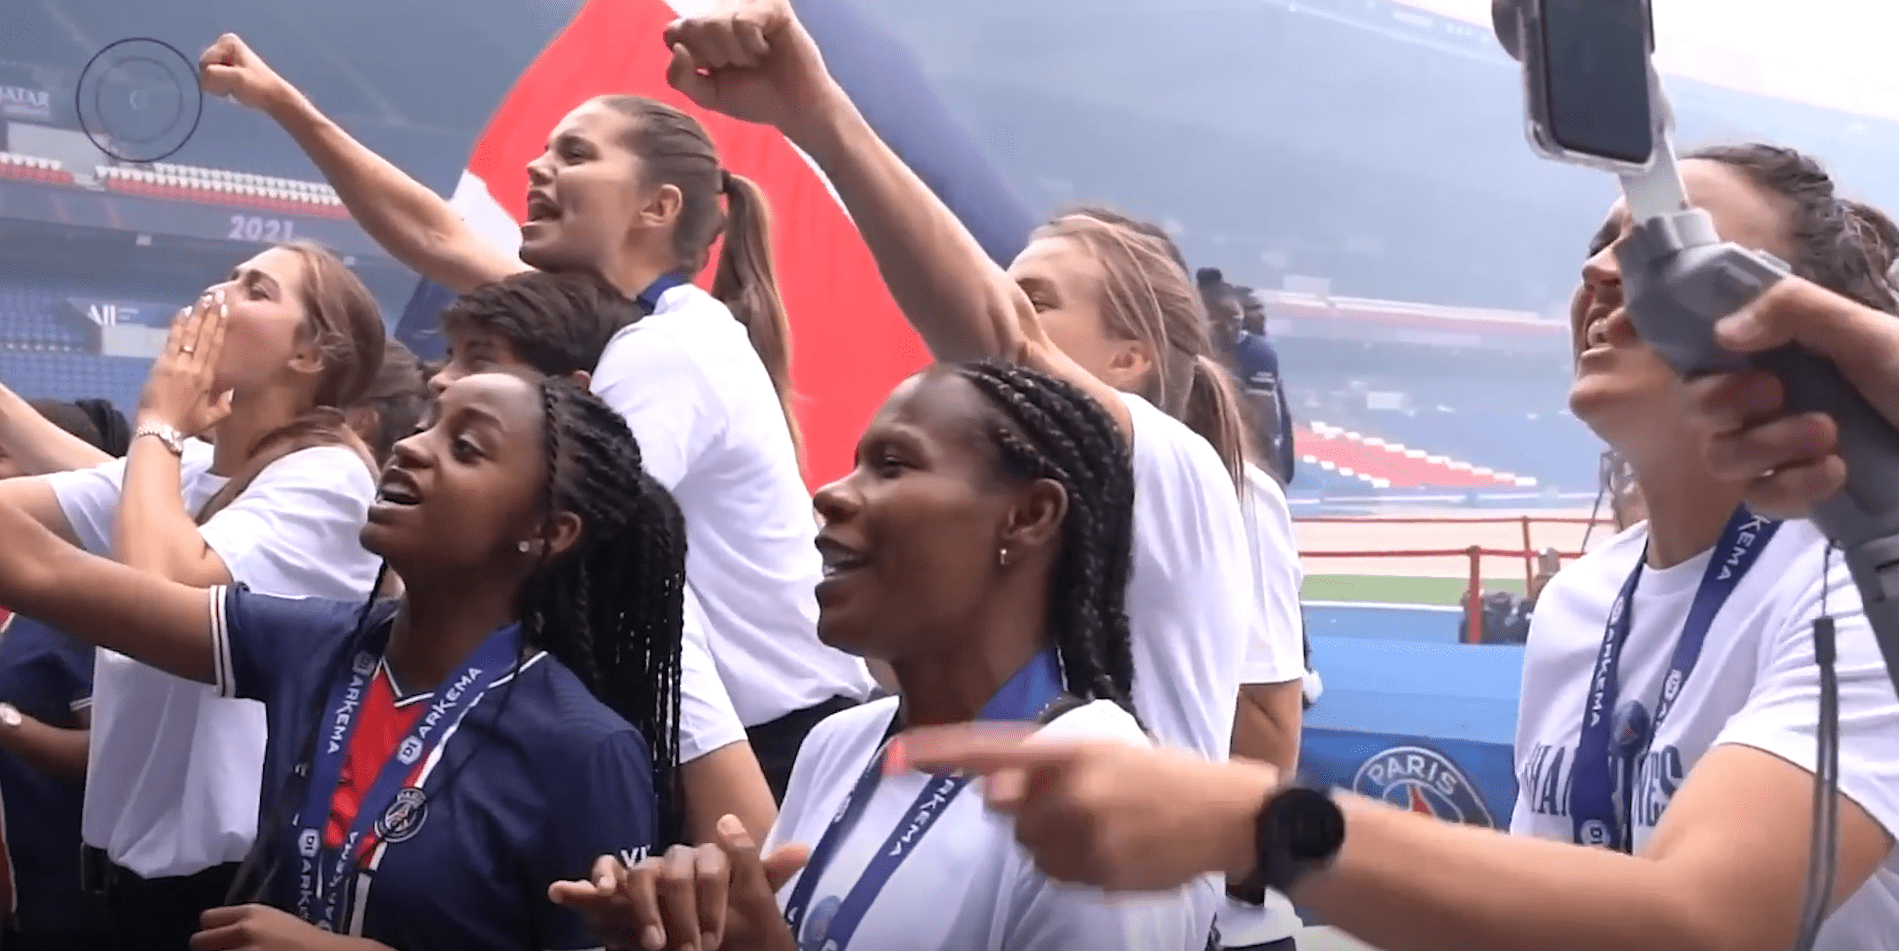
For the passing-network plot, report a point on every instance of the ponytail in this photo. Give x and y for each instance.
(747, 283)
(1213, 409)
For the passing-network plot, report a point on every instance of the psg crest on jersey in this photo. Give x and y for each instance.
(817, 925)
(1422, 780)
(404, 817)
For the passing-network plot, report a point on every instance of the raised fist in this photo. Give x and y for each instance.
(231, 69)
(751, 60)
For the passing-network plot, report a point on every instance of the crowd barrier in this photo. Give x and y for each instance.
(1418, 710)
(1474, 555)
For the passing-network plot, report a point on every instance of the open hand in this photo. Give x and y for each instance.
(180, 389)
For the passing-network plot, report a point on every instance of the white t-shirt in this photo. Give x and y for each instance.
(968, 886)
(1192, 600)
(710, 429)
(1275, 655)
(172, 788)
(1756, 684)
(707, 719)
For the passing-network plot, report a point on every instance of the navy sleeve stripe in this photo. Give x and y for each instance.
(221, 672)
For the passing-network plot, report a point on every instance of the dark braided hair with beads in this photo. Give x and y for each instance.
(611, 609)
(1047, 428)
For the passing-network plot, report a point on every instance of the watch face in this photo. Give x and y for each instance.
(1309, 824)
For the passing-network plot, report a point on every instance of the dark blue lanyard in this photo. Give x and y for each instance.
(1023, 697)
(1604, 761)
(649, 299)
(320, 884)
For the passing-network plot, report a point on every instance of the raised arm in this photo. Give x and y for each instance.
(158, 622)
(37, 444)
(959, 301)
(154, 530)
(411, 222)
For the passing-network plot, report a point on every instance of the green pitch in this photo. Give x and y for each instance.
(1394, 590)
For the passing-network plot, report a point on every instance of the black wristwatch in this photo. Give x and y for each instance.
(1300, 831)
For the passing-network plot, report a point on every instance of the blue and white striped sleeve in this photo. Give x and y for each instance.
(258, 640)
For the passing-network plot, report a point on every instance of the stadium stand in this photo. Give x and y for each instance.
(69, 376)
(219, 187)
(27, 168)
(30, 321)
(1384, 464)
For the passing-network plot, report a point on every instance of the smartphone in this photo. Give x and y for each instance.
(1586, 73)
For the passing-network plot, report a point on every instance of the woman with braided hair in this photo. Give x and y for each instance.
(982, 548)
(435, 762)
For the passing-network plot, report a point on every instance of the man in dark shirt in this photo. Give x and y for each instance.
(1237, 320)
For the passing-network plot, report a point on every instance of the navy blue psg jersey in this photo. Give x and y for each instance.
(532, 782)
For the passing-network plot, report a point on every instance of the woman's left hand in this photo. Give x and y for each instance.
(263, 928)
(178, 392)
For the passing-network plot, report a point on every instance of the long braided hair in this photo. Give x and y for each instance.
(1046, 428)
(612, 608)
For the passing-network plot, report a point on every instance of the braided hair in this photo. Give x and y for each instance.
(611, 609)
(1046, 428)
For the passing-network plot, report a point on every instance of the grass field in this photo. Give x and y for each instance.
(1393, 589)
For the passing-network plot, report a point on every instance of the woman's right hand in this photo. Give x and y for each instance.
(230, 68)
(752, 60)
(721, 895)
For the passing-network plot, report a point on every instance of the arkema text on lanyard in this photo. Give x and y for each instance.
(1604, 773)
(391, 807)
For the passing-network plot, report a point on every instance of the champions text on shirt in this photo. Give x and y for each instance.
(1756, 684)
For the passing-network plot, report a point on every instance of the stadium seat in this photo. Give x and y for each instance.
(30, 168)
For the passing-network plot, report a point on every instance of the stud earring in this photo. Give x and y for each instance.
(522, 547)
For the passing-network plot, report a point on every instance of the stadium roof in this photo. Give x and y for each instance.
(1832, 53)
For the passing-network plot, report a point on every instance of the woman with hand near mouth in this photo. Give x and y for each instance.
(267, 360)
(982, 549)
(634, 191)
(435, 763)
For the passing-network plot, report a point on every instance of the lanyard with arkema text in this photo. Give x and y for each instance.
(1613, 742)
(392, 806)
(1034, 689)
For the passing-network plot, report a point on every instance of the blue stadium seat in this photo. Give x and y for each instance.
(30, 319)
(71, 376)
